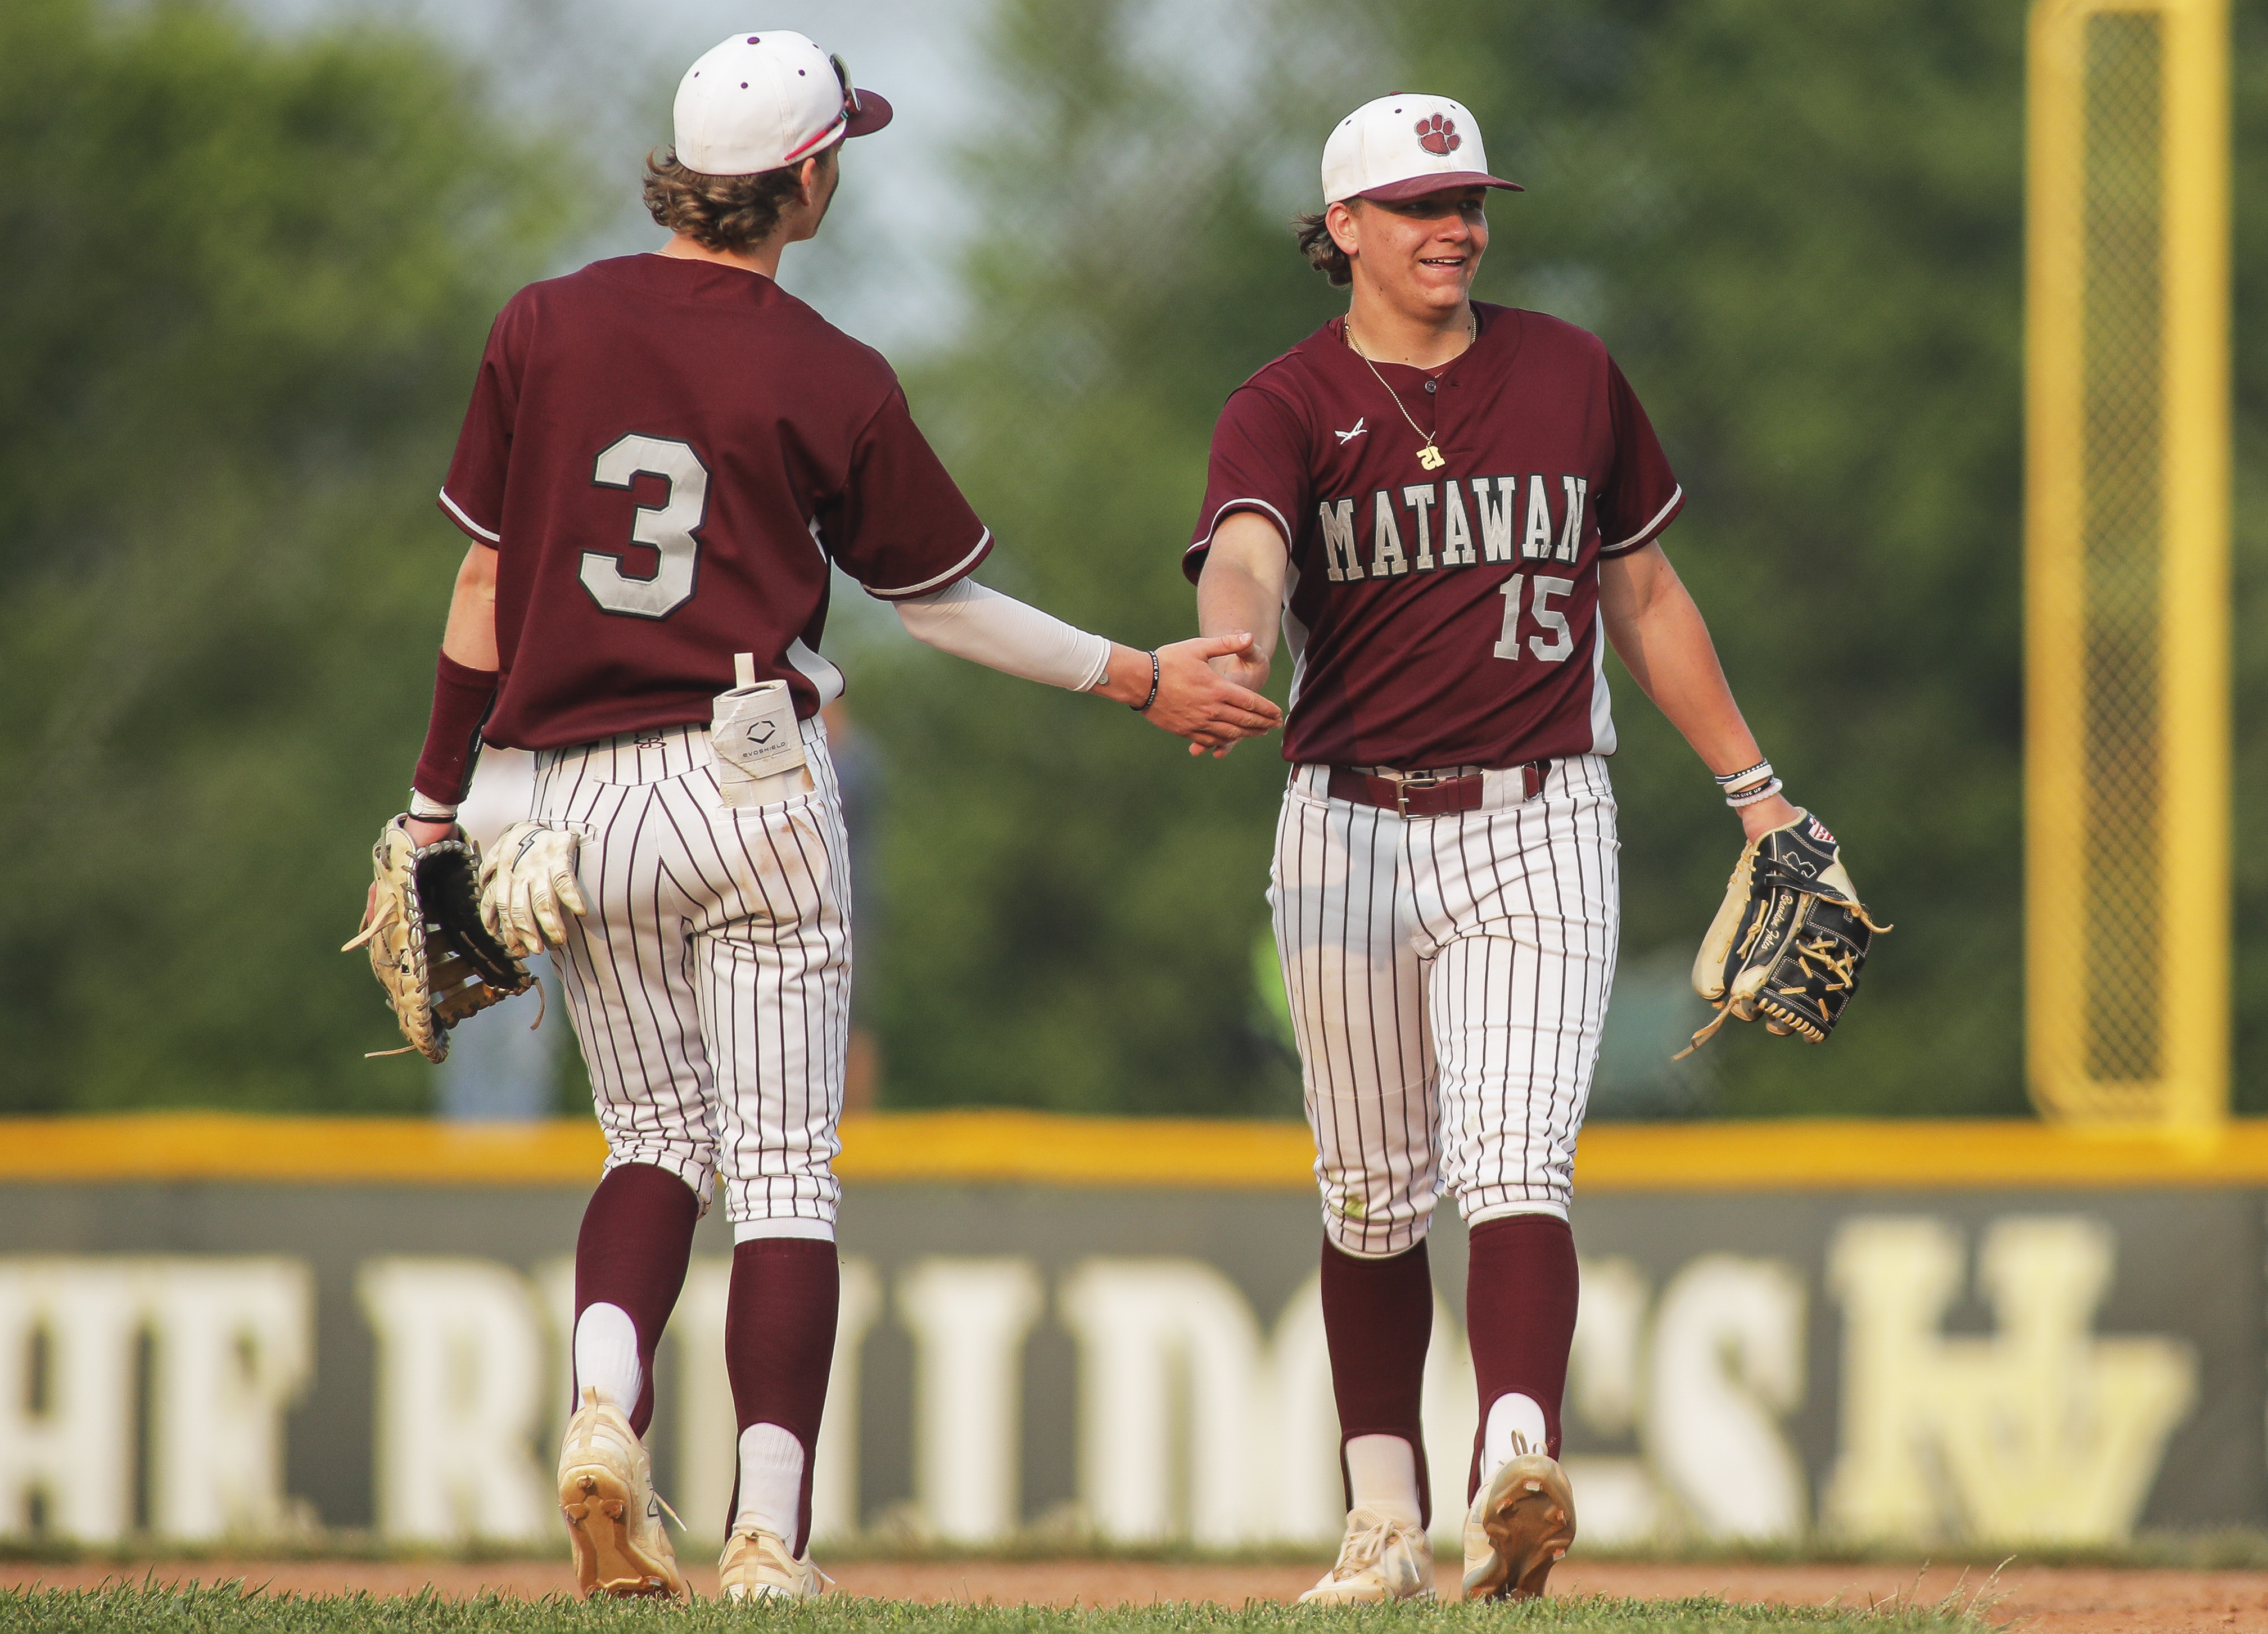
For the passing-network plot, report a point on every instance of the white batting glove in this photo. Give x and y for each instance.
(526, 880)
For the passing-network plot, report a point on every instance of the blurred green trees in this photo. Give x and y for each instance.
(1798, 230)
(1073, 899)
(1801, 234)
(246, 282)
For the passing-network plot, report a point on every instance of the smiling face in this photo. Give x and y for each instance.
(1418, 255)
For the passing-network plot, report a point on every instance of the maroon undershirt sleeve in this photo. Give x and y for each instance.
(463, 698)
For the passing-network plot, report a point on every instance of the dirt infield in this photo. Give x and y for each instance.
(2039, 1600)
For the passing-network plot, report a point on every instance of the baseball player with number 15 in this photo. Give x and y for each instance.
(665, 458)
(1454, 507)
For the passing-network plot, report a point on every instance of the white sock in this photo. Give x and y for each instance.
(1515, 1427)
(771, 1481)
(1382, 1476)
(606, 1357)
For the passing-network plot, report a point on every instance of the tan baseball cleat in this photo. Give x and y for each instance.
(1522, 1522)
(757, 1565)
(614, 1516)
(1379, 1559)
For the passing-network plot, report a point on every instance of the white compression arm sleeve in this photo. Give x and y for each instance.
(1002, 633)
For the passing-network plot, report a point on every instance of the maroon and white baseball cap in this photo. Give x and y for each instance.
(1400, 147)
(765, 100)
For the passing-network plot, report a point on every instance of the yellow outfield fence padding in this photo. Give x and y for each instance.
(1001, 1147)
(2126, 572)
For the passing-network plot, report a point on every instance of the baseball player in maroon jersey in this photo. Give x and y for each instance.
(665, 458)
(1454, 507)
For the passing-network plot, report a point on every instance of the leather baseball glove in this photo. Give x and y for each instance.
(428, 948)
(528, 886)
(1790, 939)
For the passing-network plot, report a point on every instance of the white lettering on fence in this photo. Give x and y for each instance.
(460, 1377)
(1727, 1366)
(233, 1346)
(68, 1332)
(970, 1319)
(1195, 1421)
(230, 1348)
(2043, 1432)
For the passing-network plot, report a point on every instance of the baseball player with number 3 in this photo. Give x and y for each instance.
(1454, 508)
(665, 458)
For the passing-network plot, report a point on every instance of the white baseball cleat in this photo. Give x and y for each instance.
(1522, 1522)
(614, 1515)
(1379, 1559)
(757, 1565)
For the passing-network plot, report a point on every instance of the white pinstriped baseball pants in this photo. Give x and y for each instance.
(1448, 978)
(710, 983)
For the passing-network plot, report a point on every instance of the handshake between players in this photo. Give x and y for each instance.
(1187, 695)
(1454, 509)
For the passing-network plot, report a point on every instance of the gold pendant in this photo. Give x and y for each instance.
(1431, 458)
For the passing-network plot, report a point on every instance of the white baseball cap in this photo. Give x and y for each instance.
(1400, 147)
(766, 101)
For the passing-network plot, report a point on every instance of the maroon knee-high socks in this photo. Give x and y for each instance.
(779, 1345)
(1520, 1312)
(1378, 1318)
(632, 1251)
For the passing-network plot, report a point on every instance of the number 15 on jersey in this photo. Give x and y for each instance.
(1563, 639)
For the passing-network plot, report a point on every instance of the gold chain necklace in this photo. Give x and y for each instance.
(1430, 456)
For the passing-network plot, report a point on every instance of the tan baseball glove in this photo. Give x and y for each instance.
(428, 948)
(1790, 939)
(528, 887)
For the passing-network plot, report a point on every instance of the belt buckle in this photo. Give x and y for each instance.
(1410, 780)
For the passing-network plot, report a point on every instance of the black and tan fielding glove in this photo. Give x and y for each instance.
(427, 947)
(1790, 939)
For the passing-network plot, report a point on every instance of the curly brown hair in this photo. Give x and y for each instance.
(721, 212)
(1322, 253)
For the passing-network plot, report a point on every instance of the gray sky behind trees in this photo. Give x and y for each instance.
(610, 68)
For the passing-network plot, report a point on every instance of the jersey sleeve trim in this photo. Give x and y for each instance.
(1247, 504)
(1660, 520)
(1190, 557)
(958, 569)
(457, 515)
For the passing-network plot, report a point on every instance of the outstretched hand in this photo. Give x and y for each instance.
(1211, 710)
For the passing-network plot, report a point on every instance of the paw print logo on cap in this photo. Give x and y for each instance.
(1438, 134)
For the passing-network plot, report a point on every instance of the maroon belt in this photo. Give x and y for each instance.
(1426, 793)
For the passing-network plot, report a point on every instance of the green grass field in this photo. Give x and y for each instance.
(220, 1610)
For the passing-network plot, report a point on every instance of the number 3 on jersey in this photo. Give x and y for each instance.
(669, 529)
(1563, 639)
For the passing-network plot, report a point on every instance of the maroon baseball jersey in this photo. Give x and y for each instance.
(1444, 617)
(667, 454)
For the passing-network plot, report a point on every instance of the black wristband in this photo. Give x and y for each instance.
(1142, 708)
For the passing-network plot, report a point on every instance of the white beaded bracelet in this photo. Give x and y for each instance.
(1749, 797)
